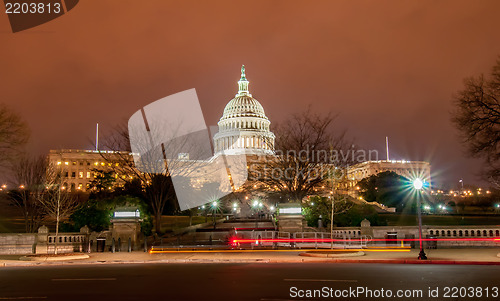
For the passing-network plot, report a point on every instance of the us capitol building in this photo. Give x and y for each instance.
(243, 129)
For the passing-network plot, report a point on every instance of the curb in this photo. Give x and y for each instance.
(49, 258)
(207, 261)
(55, 263)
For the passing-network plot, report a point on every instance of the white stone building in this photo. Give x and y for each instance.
(244, 126)
(407, 169)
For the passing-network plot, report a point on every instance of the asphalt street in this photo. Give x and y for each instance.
(259, 281)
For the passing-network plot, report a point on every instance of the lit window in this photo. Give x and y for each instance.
(80, 174)
(88, 174)
(96, 163)
(59, 163)
(66, 163)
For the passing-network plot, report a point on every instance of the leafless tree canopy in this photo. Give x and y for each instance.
(57, 202)
(476, 115)
(30, 175)
(304, 147)
(40, 192)
(14, 134)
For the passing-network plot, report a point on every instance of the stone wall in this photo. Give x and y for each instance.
(17, 243)
(43, 242)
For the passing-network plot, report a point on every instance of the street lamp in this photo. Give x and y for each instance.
(215, 205)
(257, 205)
(418, 184)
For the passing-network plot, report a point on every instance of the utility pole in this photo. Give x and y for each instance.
(331, 219)
(333, 206)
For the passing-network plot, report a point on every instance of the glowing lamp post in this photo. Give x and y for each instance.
(215, 206)
(257, 207)
(418, 184)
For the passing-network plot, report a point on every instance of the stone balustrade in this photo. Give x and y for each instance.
(43, 242)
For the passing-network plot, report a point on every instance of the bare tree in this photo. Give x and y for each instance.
(327, 207)
(307, 153)
(14, 134)
(476, 115)
(56, 201)
(30, 176)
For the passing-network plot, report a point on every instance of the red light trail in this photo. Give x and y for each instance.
(324, 240)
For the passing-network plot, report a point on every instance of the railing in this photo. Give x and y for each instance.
(259, 236)
(66, 242)
(461, 232)
(341, 239)
(66, 238)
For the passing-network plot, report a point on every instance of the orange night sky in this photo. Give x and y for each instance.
(389, 68)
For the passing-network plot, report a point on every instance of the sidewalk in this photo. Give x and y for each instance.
(439, 256)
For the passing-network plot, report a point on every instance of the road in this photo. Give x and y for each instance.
(259, 281)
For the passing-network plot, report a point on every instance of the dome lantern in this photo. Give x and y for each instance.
(243, 84)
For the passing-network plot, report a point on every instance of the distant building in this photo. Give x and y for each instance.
(407, 169)
(79, 167)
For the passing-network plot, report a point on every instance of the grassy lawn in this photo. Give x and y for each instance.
(441, 220)
(170, 223)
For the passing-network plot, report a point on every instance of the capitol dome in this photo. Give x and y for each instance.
(243, 106)
(244, 126)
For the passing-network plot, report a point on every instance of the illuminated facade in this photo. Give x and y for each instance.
(407, 169)
(244, 127)
(79, 167)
